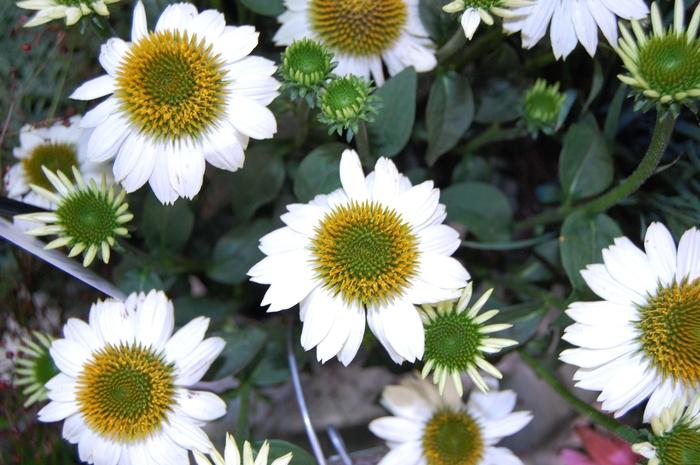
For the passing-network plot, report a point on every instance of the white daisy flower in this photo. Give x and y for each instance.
(676, 439)
(72, 10)
(232, 455)
(362, 34)
(429, 429)
(122, 390)
(476, 11)
(186, 93)
(643, 339)
(375, 245)
(58, 147)
(573, 21)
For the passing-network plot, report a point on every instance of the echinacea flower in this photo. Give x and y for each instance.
(457, 340)
(58, 147)
(345, 102)
(676, 439)
(72, 10)
(306, 66)
(572, 21)
(429, 429)
(179, 96)
(543, 106)
(34, 367)
(362, 34)
(374, 247)
(663, 67)
(232, 455)
(643, 339)
(123, 388)
(88, 218)
(476, 11)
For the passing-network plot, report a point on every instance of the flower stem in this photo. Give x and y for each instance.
(625, 432)
(363, 147)
(659, 141)
(243, 425)
(451, 47)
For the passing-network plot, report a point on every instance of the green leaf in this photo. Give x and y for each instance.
(278, 448)
(265, 7)
(585, 163)
(272, 367)
(440, 25)
(258, 182)
(581, 241)
(596, 85)
(241, 348)
(449, 113)
(393, 124)
(612, 120)
(481, 208)
(188, 308)
(499, 102)
(166, 227)
(141, 280)
(237, 251)
(319, 172)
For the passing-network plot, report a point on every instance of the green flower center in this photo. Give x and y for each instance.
(670, 64)
(543, 104)
(358, 27)
(171, 86)
(43, 368)
(55, 156)
(88, 217)
(452, 438)
(452, 340)
(680, 446)
(306, 62)
(485, 4)
(70, 2)
(345, 99)
(366, 252)
(125, 392)
(670, 331)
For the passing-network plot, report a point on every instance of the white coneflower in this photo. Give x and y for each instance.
(58, 147)
(34, 367)
(182, 95)
(72, 10)
(664, 66)
(232, 456)
(676, 438)
(429, 429)
(374, 247)
(457, 340)
(572, 22)
(123, 388)
(643, 339)
(88, 218)
(476, 11)
(362, 34)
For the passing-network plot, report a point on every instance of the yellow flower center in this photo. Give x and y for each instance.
(366, 252)
(452, 438)
(171, 86)
(670, 331)
(56, 156)
(125, 392)
(358, 27)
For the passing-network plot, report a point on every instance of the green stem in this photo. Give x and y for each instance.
(451, 47)
(363, 147)
(659, 141)
(302, 115)
(243, 425)
(493, 133)
(625, 432)
(479, 47)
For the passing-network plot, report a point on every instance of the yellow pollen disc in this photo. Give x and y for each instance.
(365, 252)
(452, 438)
(358, 27)
(171, 85)
(670, 331)
(125, 392)
(56, 156)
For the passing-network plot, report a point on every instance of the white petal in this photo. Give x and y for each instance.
(252, 118)
(156, 320)
(57, 411)
(95, 88)
(139, 27)
(186, 339)
(396, 429)
(352, 177)
(470, 21)
(112, 53)
(186, 434)
(688, 264)
(186, 170)
(68, 356)
(195, 364)
(357, 331)
(202, 406)
(661, 250)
